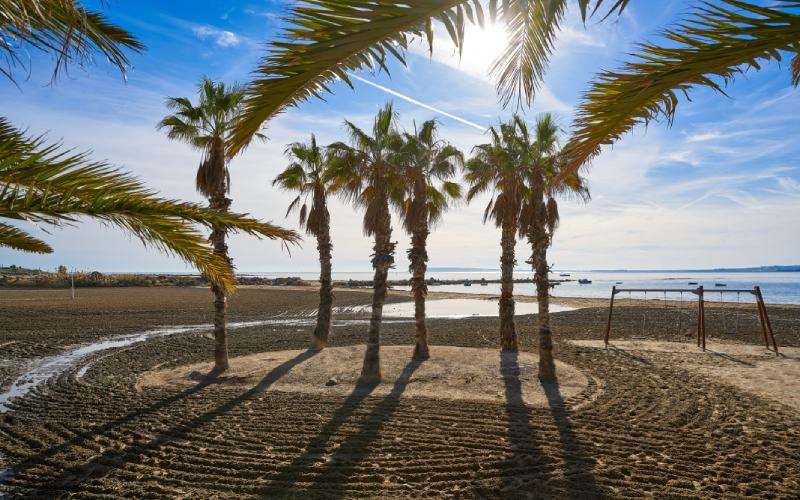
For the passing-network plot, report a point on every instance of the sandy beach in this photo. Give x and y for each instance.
(656, 415)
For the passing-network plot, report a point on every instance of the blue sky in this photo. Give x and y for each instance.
(719, 188)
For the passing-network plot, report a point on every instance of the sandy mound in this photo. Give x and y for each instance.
(748, 367)
(457, 373)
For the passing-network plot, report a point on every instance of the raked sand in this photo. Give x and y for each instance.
(751, 368)
(454, 373)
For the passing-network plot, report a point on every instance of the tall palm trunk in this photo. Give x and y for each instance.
(382, 260)
(540, 240)
(212, 178)
(418, 258)
(220, 202)
(508, 334)
(324, 245)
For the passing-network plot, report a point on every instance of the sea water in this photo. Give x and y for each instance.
(776, 287)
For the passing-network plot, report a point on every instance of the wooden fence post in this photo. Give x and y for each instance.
(610, 312)
(766, 320)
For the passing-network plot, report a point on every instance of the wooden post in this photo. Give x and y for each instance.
(699, 313)
(761, 317)
(72, 281)
(610, 312)
(702, 323)
(766, 320)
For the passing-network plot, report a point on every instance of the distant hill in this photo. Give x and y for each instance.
(760, 269)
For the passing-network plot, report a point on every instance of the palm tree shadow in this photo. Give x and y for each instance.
(528, 466)
(579, 473)
(103, 430)
(334, 476)
(288, 475)
(112, 459)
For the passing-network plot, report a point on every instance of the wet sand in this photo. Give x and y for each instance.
(645, 424)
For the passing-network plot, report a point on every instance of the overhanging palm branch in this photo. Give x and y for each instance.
(12, 237)
(329, 38)
(717, 43)
(63, 28)
(44, 184)
(531, 28)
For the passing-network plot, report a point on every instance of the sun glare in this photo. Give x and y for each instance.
(482, 47)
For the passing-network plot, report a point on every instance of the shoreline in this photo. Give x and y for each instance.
(556, 299)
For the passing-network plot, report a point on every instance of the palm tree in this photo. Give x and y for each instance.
(308, 175)
(540, 158)
(495, 168)
(366, 174)
(324, 41)
(45, 184)
(719, 42)
(206, 127)
(427, 164)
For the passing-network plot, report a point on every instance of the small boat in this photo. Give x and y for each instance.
(584, 281)
(720, 284)
(564, 274)
(618, 283)
(692, 282)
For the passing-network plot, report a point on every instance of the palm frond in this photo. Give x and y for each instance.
(616, 6)
(64, 29)
(41, 183)
(718, 42)
(531, 27)
(16, 239)
(327, 39)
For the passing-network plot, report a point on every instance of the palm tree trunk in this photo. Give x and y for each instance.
(320, 338)
(382, 260)
(540, 240)
(508, 334)
(547, 367)
(217, 239)
(418, 258)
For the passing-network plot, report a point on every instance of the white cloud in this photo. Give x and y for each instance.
(221, 37)
(704, 136)
(684, 156)
(569, 35)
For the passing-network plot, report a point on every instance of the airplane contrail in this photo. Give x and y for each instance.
(418, 103)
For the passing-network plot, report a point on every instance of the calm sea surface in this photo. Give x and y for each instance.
(777, 288)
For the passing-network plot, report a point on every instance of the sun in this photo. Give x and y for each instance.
(481, 47)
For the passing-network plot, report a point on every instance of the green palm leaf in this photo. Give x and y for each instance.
(63, 28)
(329, 38)
(716, 44)
(17, 239)
(531, 28)
(41, 183)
